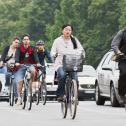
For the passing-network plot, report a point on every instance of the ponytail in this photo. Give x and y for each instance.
(74, 42)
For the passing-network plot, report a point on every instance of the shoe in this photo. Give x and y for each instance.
(16, 100)
(34, 98)
(60, 98)
(19, 102)
(121, 99)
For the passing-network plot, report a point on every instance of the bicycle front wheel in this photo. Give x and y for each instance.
(37, 95)
(11, 96)
(23, 96)
(64, 104)
(29, 95)
(43, 92)
(73, 98)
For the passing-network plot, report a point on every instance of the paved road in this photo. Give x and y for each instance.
(88, 114)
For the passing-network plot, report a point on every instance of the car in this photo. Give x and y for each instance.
(4, 90)
(51, 84)
(106, 83)
(86, 80)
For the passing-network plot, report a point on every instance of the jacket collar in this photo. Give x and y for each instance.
(22, 48)
(42, 50)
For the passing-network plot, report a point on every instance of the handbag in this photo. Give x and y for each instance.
(10, 67)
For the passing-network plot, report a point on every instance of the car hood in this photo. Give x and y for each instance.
(49, 78)
(86, 80)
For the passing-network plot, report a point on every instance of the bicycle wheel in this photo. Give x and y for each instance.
(64, 104)
(11, 96)
(29, 95)
(73, 98)
(43, 92)
(37, 95)
(23, 96)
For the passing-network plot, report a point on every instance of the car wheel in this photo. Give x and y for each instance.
(114, 101)
(99, 99)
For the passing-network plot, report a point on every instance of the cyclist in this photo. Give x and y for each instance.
(8, 56)
(42, 52)
(119, 46)
(25, 54)
(63, 45)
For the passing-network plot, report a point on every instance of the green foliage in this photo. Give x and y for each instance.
(95, 22)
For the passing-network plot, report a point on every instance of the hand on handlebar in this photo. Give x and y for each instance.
(17, 64)
(121, 55)
(38, 65)
(1, 63)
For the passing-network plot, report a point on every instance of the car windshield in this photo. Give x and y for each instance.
(87, 72)
(50, 70)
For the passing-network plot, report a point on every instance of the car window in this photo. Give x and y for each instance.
(107, 60)
(87, 72)
(50, 70)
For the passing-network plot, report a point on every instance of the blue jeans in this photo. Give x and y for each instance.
(7, 78)
(61, 81)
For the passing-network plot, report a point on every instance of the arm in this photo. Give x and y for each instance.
(17, 55)
(5, 51)
(116, 41)
(48, 55)
(53, 49)
(79, 46)
(36, 59)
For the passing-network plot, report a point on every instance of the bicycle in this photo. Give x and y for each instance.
(41, 88)
(71, 63)
(26, 93)
(12, 84)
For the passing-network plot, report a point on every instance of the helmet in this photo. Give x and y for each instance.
(40, 42)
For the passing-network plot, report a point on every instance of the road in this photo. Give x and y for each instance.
(88, 114)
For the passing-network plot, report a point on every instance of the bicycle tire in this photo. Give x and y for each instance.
(23, 96)
(43, 92)
(29, 95)
(11, 96)
(73, 98)
(37, 95)
(64, 104)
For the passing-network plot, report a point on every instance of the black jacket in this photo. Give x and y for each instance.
(20, 55)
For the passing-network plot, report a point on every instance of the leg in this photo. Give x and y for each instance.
(61, 82)
(16, 93)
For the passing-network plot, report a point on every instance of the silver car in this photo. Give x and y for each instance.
(106, 83)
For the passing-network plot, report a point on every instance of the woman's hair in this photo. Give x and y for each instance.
(72, 39)
(25, 35)
(16, 38)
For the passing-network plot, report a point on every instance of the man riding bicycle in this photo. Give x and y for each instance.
(42, 52)
(25, 54)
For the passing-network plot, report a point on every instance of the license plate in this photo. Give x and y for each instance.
(89, 91)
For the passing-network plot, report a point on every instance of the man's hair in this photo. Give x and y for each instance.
(16, 38)
(25, 35)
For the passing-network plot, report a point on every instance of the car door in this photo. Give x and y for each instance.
(99, 73)
(106, 73)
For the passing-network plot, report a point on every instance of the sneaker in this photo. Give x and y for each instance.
(121, 99)
(34, 98)
(60, 98)
(19, 102)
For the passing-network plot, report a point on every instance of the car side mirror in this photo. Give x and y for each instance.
(106, 67)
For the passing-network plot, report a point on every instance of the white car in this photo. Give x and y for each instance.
(106, 83)
(4, 91)
(51, 86)
(86, 80)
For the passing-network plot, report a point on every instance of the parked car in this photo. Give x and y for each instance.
(51, 86)
(86, 80)
(106, 83)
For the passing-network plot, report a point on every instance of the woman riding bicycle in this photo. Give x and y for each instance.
(62, 45)
(8, 56)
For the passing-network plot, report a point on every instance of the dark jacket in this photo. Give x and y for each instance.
(20, 55)
(5, 51)
(41, 55)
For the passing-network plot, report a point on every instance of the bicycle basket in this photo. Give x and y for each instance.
(10, 67)
(73, 63)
